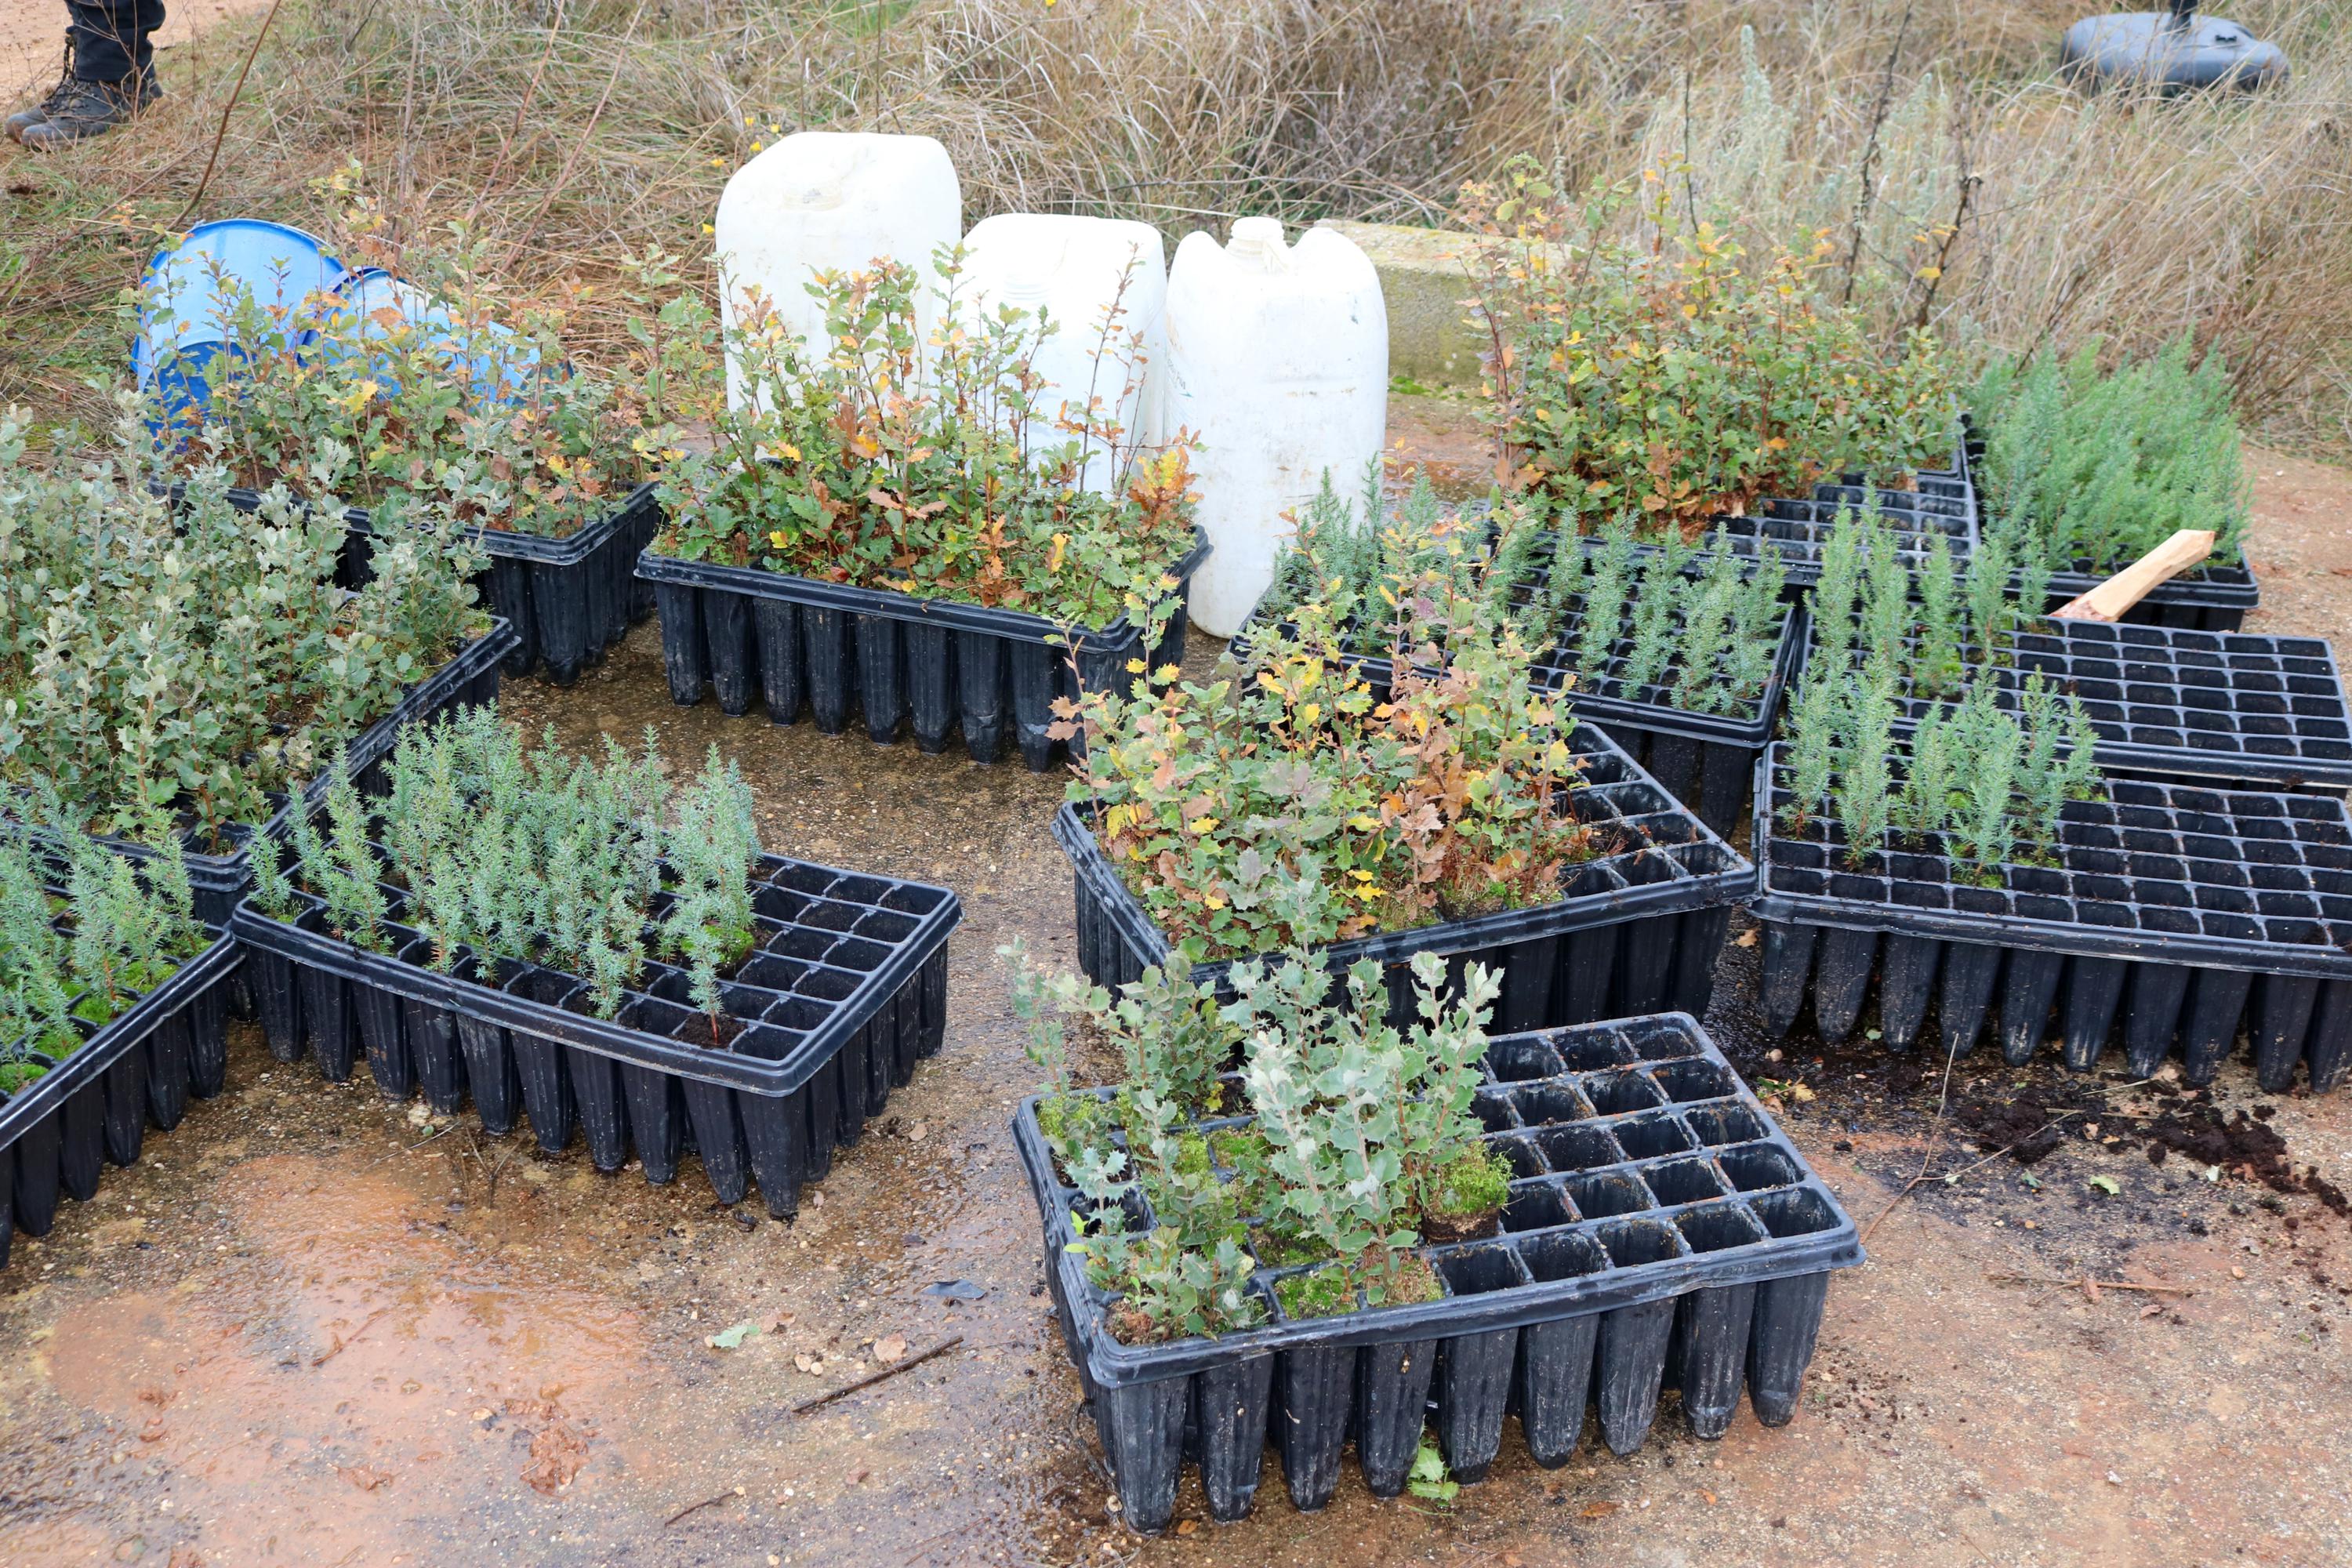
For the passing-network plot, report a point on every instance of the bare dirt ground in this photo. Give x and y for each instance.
(33, 32)
(314, 1327)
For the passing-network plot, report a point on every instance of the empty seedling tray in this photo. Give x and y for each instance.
(2177, 915)
(844, 991)
(94, 1104)
(1635, 930)
(568, 599)
(2216, 705)
(1661, 1231)
(934, 665)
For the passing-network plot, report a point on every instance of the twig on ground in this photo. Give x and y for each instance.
(697, 1507)
(342, 1345)
(870, 1379)
(1935, 1135)
(2091, 1287)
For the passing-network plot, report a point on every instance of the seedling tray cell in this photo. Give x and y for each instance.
(471, 680)
(2218, 705)
(900, 662)
(93, 1106)
(1662, 1233)
(844, 991)
(1636, 930)
(2174, 916)
(567, 599)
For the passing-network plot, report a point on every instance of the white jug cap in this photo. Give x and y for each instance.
(1257, 237)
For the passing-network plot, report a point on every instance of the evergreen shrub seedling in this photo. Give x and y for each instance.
(1664, 382)
(490, 419)
(1359, 1142)
(501, 852)
(84, 932)
(1284, 803)
(197, 662)
(2088, 471)
(1673, 624)
(1979, 782)
(926, 463)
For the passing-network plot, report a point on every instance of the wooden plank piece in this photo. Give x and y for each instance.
(2108, 601)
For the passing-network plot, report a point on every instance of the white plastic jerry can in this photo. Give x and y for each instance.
(1102, 284)
(1278, 362)
(825, 201)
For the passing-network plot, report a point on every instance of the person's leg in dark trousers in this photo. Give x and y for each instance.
(110, 73)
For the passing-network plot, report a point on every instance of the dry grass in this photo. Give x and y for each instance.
(561, 146)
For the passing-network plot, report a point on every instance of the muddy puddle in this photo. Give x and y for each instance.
(316, 1328)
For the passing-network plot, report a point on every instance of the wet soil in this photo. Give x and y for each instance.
(316, 1326)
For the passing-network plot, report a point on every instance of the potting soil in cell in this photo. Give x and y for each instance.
(1661, 1231)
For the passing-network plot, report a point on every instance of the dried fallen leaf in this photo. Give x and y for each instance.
(1187, 1527)
(1600, 1509)
(894, 1348)
(364, 1478)
(1746, 938)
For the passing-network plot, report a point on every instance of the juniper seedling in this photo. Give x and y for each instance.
(1938, 666)
(76, 959)
(2103, 466)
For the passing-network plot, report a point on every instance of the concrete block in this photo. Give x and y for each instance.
(1424, 276)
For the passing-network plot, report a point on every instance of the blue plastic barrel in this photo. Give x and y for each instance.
(189, 289)
(496, 364)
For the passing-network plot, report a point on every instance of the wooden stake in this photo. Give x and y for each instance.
(2110, 599)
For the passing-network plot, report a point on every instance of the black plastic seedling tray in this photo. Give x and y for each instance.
(1661, 1231)
(2212, 598)
(934, 665)
(568, 599)
(845, 991)
(2175, 915)
(93, 1106)
(2217, 705)
(471, 680)
(1636, 930)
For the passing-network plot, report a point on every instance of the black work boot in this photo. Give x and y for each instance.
(80, 109)
(23, 118)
